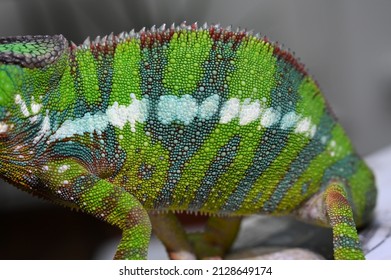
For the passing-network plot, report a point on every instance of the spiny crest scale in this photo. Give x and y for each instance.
(149, 36)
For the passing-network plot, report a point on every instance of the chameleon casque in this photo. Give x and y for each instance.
(136, 127)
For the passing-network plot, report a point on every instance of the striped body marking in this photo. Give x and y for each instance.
(199, 119)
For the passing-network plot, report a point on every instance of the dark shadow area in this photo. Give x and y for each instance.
(51, 233)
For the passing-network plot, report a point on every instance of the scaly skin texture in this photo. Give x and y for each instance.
(135, 127)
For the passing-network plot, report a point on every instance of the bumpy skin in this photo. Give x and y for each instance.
(135, 127)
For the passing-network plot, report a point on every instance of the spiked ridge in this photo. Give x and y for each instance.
(162, 34)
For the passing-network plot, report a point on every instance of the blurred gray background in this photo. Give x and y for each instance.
(345, 44)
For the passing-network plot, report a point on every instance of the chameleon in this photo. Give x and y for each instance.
(137, 127)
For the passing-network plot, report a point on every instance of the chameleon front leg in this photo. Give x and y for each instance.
(105, 201)
(217, 238)
(118, 207)
(213, 242)
(339, 212)
(169, 230)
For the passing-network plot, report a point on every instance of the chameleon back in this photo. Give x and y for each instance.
(199, 119)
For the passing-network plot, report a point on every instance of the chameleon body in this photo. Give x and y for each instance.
(135, 127)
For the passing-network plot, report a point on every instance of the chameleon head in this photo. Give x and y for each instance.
(29, 66)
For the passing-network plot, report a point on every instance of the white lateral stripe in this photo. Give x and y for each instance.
(230, 110)
(312, 131)
(3, 127)
(167, 108)
(249, 112)
(86, 124)
(270, 117)
(185, 109)
(209, 107)
(306, 127)
(173, 108)
(303, 126)
(289, 120)
(45, 129)
(35, 107)
(119, 115)
(22, 104)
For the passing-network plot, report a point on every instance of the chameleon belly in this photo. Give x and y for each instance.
(183, 119)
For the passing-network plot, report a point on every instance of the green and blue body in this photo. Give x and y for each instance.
(181, 119)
